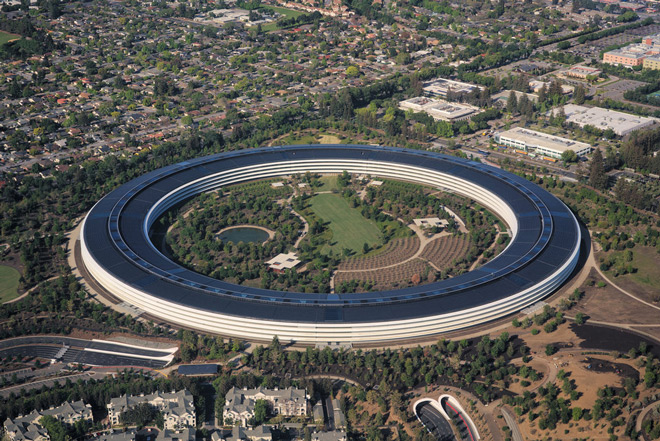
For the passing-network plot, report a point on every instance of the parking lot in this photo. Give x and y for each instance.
(615, 90)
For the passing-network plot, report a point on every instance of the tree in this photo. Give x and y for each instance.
(275, 345)
(569, 156)
(597, 176)
(260, 412)
(577, 413)
(550, 350)
(403, 58)
(580, 318)
(55, 428)
(579, 95)
(352, 71)
(512, 103)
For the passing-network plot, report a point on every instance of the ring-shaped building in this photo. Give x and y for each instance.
(117, 251)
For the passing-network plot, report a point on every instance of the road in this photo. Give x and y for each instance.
(49, 383)
(330, 414)
(435, 423)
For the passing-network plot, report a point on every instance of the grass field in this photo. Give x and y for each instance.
(328, 139)
(329, 183)
(646, 280)
(349, 228)
(646, 260)
(8, 283)
(288, 13)
(6, 36)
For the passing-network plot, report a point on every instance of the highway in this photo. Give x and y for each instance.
(435, 423)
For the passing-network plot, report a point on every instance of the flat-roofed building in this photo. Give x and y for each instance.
(652, 62)
(442, 86)
(629, 57)
(603, 119)
(440, 109)
(583, 72)
(538, 143)
(283, 262)
(503, 97)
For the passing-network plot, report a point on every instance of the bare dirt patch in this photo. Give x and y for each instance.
(608, 304)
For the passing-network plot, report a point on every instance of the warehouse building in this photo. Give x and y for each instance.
(538, 143)
(603, 119)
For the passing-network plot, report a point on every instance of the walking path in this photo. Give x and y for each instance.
(302, 219)
(642, 415)
(623, 291)
(513, 425)
(26, 293)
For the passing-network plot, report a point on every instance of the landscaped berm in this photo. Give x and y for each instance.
(9, 279)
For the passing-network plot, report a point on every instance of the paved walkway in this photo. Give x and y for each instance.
(513, 425)
(26, 293)
(642, 415)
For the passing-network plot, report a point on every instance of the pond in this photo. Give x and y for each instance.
(244, 234)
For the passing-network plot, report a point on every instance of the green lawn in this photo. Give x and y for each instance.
(8, 283)
(646, 260)
(349, 228)
(329, 183)
(288, 13)
(6, 36)
(646, 278)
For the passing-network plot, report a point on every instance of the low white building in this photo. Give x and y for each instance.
(440, 109)
(538, 143)
(443, 86)
(283, 262)
(603, 119)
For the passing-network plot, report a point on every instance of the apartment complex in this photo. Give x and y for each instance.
(635, 54)
(240, 403)
(538, 143)
(177, 408)
(259, 433)
(28, 428)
